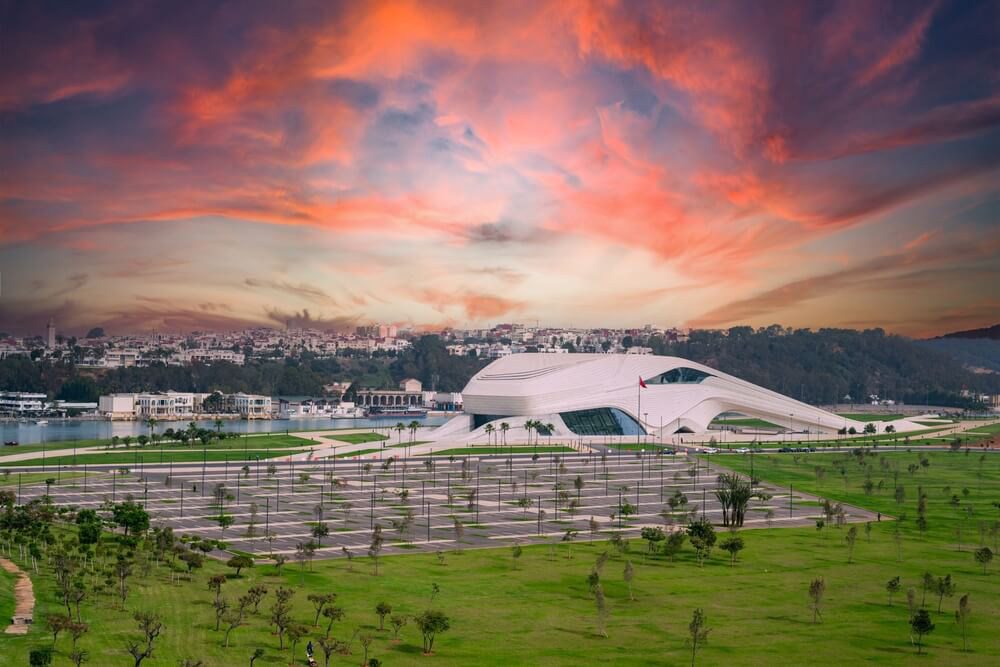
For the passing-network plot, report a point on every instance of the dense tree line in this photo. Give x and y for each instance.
(828, 364)
(428, 360)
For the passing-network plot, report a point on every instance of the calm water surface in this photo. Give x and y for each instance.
(58, 430)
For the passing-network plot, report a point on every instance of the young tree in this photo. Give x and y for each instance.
(221, 607)
(674, 543)
(734, 545)
(653, 537)
(319, 601)
(330, 646)
(962, 618)
(56, 624)
(319, 531)
(257, 653)
(984, 556)
(296, 631)
(332, 614)
(697, 633)
(851, 537)
(238, 563)
(515, 552)
(892, 587)
(397, 621)
(150, 626)
(366, 641)
(702, 536)
(944, 587)
(920, 624)
(602, 605)
(375, 549)
(383, 609)
(431, 624)
(215, 583)
(629, 575)
(817, 588)
(280, 613)
(78, 657)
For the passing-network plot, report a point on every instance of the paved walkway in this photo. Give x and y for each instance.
(24, 600)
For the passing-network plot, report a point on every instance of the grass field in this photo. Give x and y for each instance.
(7, 581)
(35, 477)
(542, 613)
(865, 417)
(151, 455)
(487, 451)
(253, 442)
(354, 438)
(745, 421)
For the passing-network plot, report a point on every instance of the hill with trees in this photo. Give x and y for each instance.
(818, 367)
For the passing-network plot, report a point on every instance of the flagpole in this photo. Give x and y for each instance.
(638, 410)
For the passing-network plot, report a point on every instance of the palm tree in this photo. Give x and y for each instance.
(550, 427)
(114, 441)
(218, 425)
(414, 425)
(504, 427)
(528, 425)
(151, 423)
(399, 429)
(489, 432)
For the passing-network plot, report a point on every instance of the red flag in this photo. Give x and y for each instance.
(641, 383)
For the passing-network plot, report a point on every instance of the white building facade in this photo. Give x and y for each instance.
(583, 395)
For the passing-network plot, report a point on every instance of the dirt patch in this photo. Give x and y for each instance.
(24, 600)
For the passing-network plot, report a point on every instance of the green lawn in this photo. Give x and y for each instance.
(987, 428)
(870, 417)
(253, 442)
(354, 438)
(152, 455)
(542, 613)
(484, 451)
(7, 581)
(35, 477)
(745, 421)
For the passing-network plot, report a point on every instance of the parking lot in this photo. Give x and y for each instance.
(494, 500)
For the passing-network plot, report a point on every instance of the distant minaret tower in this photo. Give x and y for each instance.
(50, 334)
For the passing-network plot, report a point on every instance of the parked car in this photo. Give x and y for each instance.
(786, 449)
(10, 443)
(709, 450)
(743, 450)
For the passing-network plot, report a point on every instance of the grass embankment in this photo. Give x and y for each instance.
(151, 455)
(870, 416)
(745, 421)
(233, 442)
(489, 451)
(35, 477)
(7, 602)
(542, 613)
(355, 438)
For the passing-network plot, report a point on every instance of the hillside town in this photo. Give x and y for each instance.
(99, 350)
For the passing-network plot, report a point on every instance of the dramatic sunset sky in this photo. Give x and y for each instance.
(206, 165)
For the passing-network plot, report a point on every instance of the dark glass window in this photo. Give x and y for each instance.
(482, 420)
(679, 376)
(601, 421)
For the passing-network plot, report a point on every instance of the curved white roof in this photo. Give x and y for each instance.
(548, 384)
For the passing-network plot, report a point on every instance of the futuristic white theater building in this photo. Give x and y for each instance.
(585, 395)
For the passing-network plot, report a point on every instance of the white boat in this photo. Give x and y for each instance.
(42, 422)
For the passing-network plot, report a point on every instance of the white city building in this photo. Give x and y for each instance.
(21, 402)
(584, 395)
(251, 406)
(117, 406)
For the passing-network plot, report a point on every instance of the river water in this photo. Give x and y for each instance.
(69, 429)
